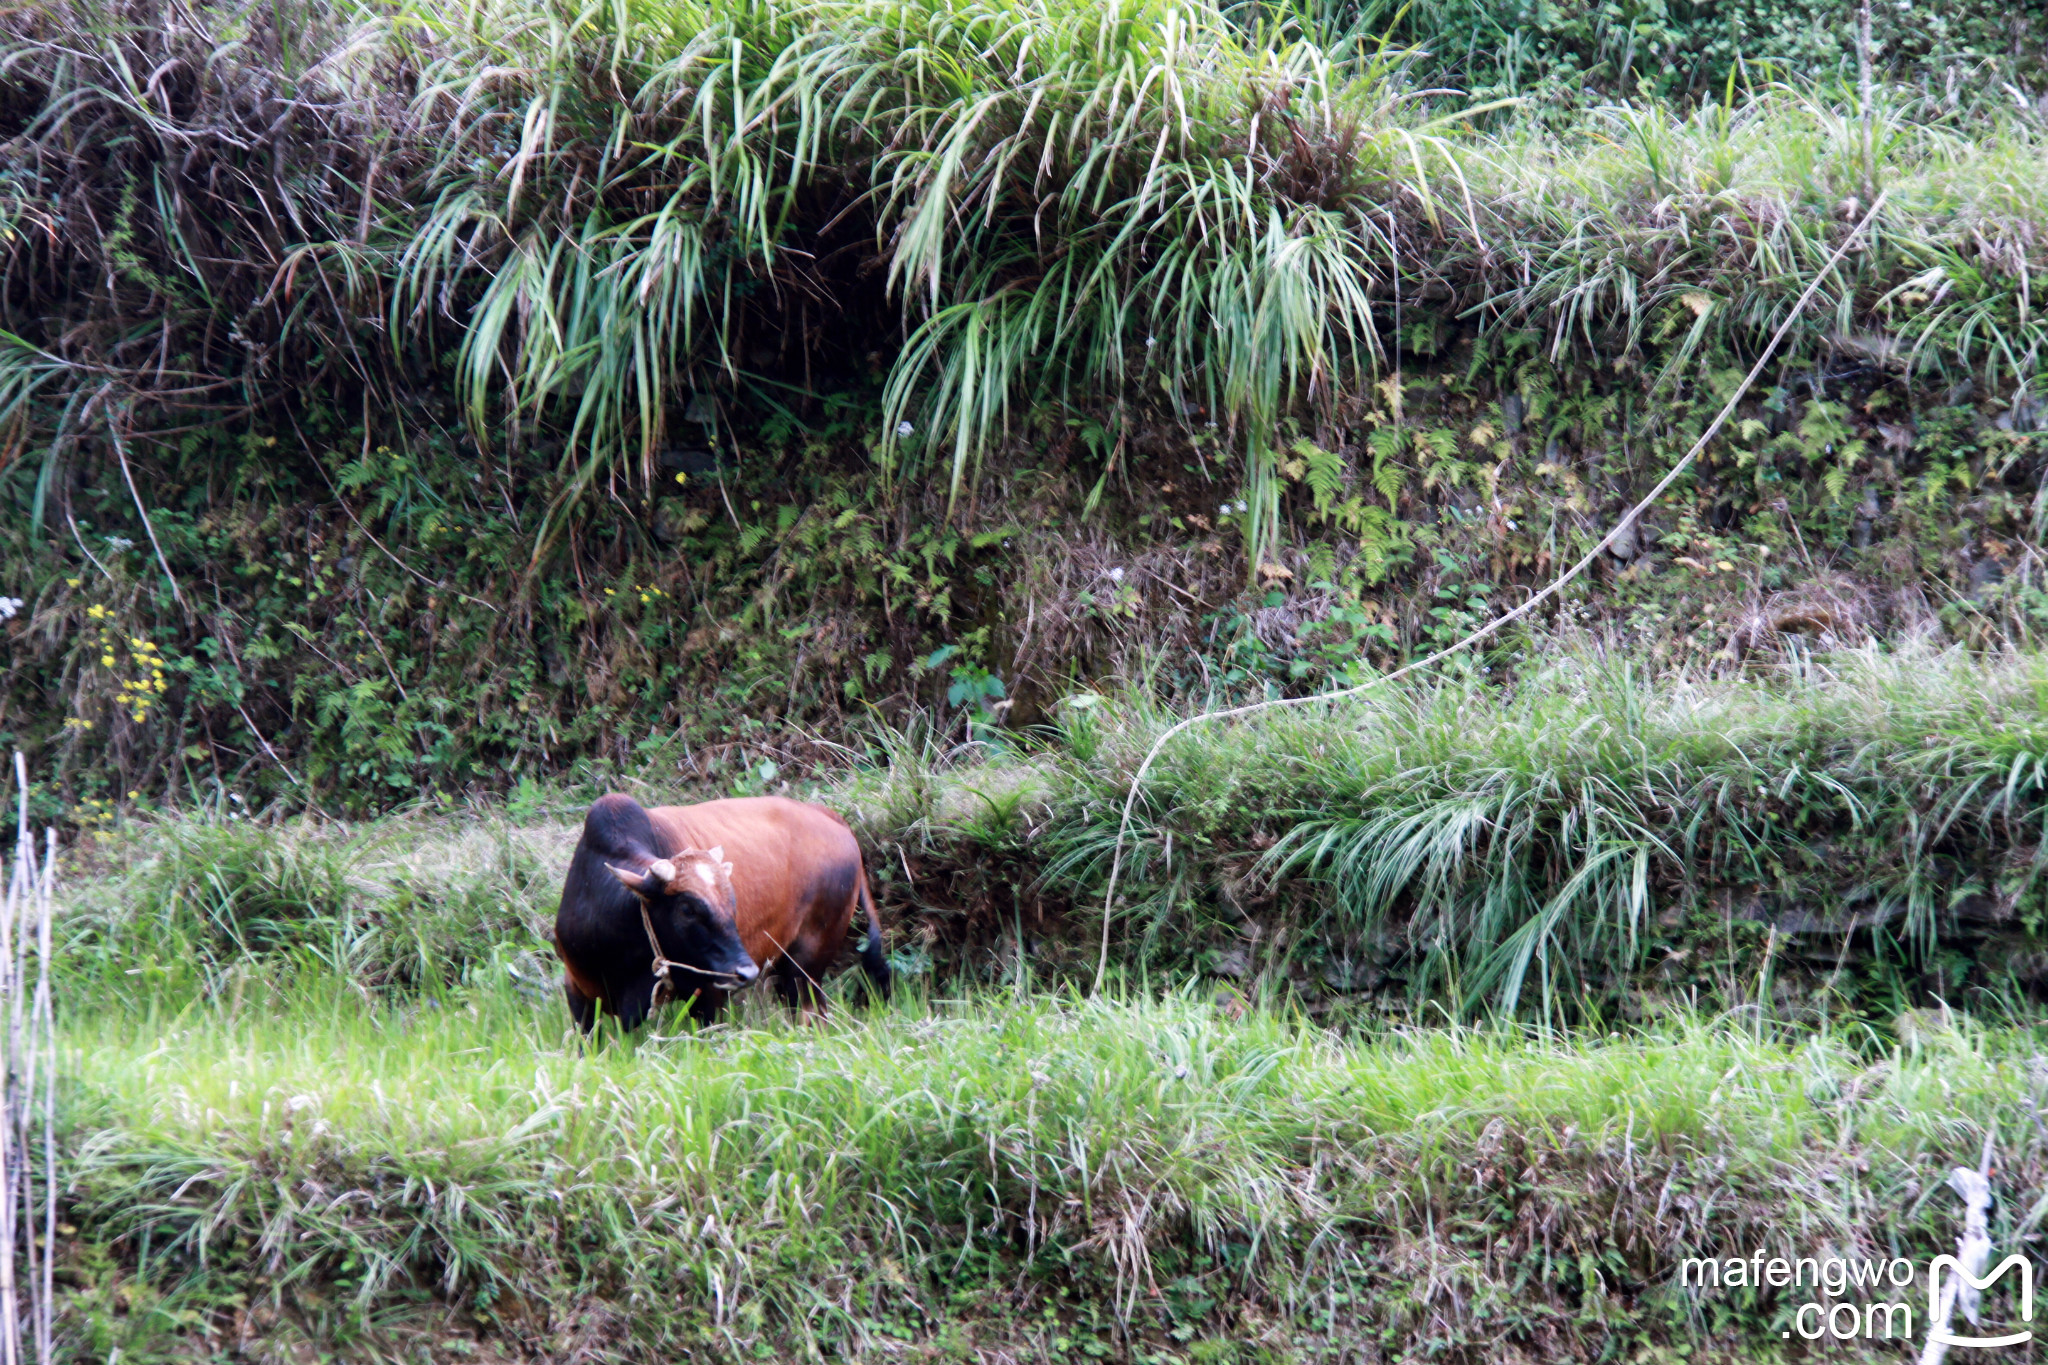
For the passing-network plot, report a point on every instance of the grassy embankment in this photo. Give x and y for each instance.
(1052, 1178)
(332, 1056)
(408, 422)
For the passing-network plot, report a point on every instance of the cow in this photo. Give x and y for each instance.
(696, 902)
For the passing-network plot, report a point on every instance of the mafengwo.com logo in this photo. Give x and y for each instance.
(1844, 1302)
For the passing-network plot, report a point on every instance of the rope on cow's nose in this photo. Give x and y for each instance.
(664, 989)
(1116, 858)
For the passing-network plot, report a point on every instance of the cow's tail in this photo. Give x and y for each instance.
(872, 959)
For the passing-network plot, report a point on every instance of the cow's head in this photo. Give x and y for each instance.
(690, 900)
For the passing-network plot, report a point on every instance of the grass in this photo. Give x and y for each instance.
(1518, 847)
(875, 295)
(1141, 1174)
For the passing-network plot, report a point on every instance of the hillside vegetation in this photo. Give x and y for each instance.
(329, 1103)
(321, 1093)
(426, 397)
(1079, 1181)
(417, 417)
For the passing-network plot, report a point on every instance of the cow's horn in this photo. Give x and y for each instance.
(716, 853)
(662, 871)
(632, 881)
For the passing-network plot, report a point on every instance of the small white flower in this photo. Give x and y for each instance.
(120, 543)
(1225, 509)
(9, 606)
(1116, 575)
(903, 429)
(1242, 504)
(1150, 342)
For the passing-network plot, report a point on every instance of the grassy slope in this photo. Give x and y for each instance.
(1856, 834)
(1024, 1174)
(333, 1055)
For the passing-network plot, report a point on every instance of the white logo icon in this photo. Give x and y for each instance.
(1968, 1296)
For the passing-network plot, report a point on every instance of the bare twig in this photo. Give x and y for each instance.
(73, 523)
(26, 1302)
(281, 765)
(121, 454)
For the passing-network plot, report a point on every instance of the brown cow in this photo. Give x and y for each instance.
(725, 889)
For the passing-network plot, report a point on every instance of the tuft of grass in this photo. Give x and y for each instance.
(1534, 845)
(210, 905)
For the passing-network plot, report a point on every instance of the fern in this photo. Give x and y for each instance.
(1386, 444)
(1836, 480)
(1324, 472)
(1382, 539)
(1440, 442)
(1322, 563)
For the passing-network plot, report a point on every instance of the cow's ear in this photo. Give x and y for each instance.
(636, 882)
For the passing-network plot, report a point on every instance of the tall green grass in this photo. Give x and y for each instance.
(1135, 1174)
(1142, 211)
(1524, 848)
(323, 1093)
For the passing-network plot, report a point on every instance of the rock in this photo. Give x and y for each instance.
(1234, 963)
(1627, 543)
(691, 460)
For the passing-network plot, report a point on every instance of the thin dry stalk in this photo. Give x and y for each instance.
(30, 1060)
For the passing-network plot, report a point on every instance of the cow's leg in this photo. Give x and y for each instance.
(796, 985)
(581, 1007)
(632, 1001)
